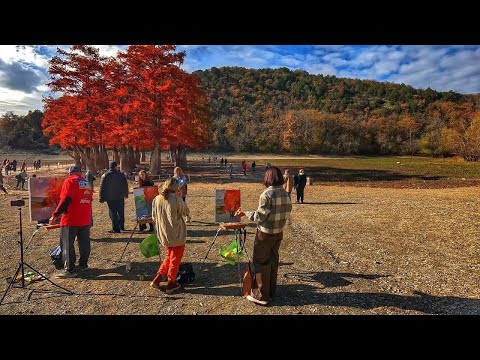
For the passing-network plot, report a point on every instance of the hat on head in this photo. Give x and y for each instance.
(113, 164)
(74, 168)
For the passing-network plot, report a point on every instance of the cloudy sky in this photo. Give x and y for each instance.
(23, 69)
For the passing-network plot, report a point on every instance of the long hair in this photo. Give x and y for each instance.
(180, 171)
(273, 177)
(169, 186)
(140, 180)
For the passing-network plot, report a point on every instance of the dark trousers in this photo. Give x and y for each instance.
(67, 239)
(3, 188)
(20, 182)
(300, 194)
(116, 210)
(265, 262)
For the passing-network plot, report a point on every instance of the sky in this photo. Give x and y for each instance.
(23, 69)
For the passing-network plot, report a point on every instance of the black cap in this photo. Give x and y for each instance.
(74, 168)
(113, 164)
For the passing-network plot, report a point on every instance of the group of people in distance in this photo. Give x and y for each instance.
(297, 182)
(169, 215)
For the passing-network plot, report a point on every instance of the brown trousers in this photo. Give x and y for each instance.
(265, 262)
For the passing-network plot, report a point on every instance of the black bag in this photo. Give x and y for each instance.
(185, 274)
(56, 256)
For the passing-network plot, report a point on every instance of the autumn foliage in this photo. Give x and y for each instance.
(139, 100)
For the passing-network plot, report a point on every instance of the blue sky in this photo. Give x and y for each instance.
(23, 69)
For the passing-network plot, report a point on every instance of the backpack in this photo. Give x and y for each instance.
(56, 256)
(185, 274)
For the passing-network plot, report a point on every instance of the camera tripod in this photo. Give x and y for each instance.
(22, 264)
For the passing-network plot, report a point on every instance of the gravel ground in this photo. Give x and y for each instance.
(351, 249)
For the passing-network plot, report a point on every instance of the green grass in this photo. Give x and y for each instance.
(412, 166)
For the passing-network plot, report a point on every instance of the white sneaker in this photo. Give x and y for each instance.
(252, 299)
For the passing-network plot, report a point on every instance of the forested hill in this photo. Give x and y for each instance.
(284, 110)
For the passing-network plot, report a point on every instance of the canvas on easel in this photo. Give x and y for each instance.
(143, 201)
(226, 203)
(44, 196)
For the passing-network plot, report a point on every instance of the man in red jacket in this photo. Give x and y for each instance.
(75, 208)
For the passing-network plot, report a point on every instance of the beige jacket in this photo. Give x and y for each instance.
(168, 217)
(288, 183)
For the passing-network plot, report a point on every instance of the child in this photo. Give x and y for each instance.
(168, 210)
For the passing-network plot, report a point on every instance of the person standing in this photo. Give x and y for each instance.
(90, 178)
(21, 178)
(253, 166)
(24, 166)
(144, 180)
(244, 167)
(114, 190)
(288, 183)
(168, 211)
(274, 208)
(300, 183)
(182, 184)
(1, 182)
(75, 209)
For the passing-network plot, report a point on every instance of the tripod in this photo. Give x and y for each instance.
(23, 264)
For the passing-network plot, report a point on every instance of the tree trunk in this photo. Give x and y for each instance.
(182, 157)
(123, 159)
(87, 158)
(131, 157)
(105, 157)
(116, 156)
(143, 157)
(98, 157)
(76, 155)
(155, 160)
(137, 156)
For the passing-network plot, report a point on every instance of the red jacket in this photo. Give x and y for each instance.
(75, 202)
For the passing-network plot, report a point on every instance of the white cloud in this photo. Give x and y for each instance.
(18, 101)
(22, 53)
(442, 68)
(110, 50)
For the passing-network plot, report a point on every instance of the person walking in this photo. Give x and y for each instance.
(144, 180)
(244, 167)
(168, 212)
(114, 190)
(75, 209)
(274, 208)
(300, 183)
